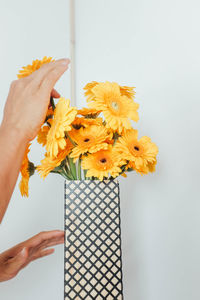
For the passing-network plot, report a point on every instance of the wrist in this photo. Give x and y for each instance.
(13, 133)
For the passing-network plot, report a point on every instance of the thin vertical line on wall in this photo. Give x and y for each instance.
(72, 52)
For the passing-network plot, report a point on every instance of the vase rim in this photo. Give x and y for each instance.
(89, 180)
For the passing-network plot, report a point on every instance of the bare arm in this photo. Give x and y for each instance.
(24, 113)
(12, 148)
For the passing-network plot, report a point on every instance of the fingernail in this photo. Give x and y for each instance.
(65, 61)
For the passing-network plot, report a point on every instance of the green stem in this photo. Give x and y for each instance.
(67, 135)
(84, 172)
(52, 103)
(65, 175)
(115, 136)
(48, 123)
(79, 168)
(47, 118)
(61, 173)
(52, 171)
(67, 171)
(72, 167)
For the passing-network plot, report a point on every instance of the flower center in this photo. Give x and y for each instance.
(136, 148)
(114, 105)
(86, 140)
(103, 160)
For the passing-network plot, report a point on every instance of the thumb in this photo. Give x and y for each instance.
(17, 263)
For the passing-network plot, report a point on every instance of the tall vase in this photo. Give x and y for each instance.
(93, 265)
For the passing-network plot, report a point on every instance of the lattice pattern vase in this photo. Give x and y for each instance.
(93, 266)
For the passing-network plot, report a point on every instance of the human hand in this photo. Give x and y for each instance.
(16, 258)
(28, 99)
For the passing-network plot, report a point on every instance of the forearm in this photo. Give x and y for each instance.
(12, 149)
(25, 109)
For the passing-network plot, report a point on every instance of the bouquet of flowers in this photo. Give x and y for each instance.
(97, 142)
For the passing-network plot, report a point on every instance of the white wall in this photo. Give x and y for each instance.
(29, 30)
(153, 45)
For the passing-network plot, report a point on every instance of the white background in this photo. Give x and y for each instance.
(153, 45)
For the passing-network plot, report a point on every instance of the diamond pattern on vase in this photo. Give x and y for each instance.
(93, 266)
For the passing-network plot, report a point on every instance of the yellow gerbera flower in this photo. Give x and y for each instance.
(84, 122)
(23, 185)
(124, 175)
(64, 115)
(36, 64)
(117, 109)
(127, 91)
(90, 139)
(49, 163)
(141, 152)
(88, 90)
(144, 169)
(89, 112)
(124, 90)
(103, 163)
(42, 135)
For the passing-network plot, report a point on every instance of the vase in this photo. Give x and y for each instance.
(93, 264)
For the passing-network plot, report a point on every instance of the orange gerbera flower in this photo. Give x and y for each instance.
(84, 122)
(50, 111)
(49, 163)
(90, 139)
(144, 169)
(23, 185)
(42, 135)
(103, 163)
(142, 153)
(89, 112)
(36, 64)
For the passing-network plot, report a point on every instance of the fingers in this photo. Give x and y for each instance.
(22, 254)
(51, 77)
(43, 253)
(55, 94)
(45, 244)
(44, 237)
(38, 76)
(54, 242)
(49, 235)
(51, 239)
(46, 252)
